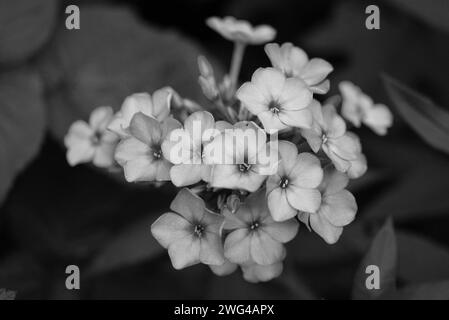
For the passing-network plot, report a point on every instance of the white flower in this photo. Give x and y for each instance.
(359, 108)
(329, 133)
(278, 102)
(156, 106)
(141, 154)
(294, 186)
(294, 62)
(338, 207)
(86, 142)
(241, 30)
(192, 233)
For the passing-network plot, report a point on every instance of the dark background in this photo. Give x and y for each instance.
(53, 215)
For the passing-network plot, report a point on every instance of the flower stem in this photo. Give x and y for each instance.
(236, 63)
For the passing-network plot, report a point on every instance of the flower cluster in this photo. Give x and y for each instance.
(260, 159)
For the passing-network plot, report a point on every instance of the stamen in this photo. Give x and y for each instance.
(284, 182)
(254, 225)
(244, 167)
(324, 138)
(274, 107)
(198, 230)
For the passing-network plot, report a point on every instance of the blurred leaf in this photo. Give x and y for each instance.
(113, 55)
(7, 294)
(24, 27)
(419, 194)
(421, 260)
(133, 245)
(425, 291)
(22, 122)
(430, 121)
(432, 12)
(383, 254)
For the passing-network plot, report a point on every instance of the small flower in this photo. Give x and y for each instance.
(241, 30)
(277, 102)
(294, 62)
(329, 133)
(255, 237)
(359, 108)
(241, 158)
(225, 269)
(140, 154)
(192, 233)
(184, 147)
(91, 141)
(156, 106)
(294, 186)
(338, 207)
(255, 273)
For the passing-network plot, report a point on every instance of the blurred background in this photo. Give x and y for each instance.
(53, 215)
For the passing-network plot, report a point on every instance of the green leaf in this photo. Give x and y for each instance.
(22, 124)
(113, 55)
(430, 121)
(133, 245)
(24, 27)
(383, 254)
(425, 291)
(432, 12)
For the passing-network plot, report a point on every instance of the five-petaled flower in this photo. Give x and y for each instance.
(329, 133)
(277, 101)
(358, 108)
(294, 186)
(294, 62)
(156, 106)
(86, 142)
(140, 154)
(184, 148)
(338, 207)
(254, 236)
(241, 31)
(192, 233)
(241, 158)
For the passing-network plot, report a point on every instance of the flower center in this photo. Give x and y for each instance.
(96, 138)
(199, 230)
(324, 138)
(274, 107)
(157, 153)
(254, 226)
(284, 182)
(244, 167)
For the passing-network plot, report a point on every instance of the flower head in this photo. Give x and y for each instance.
(156, 106)
(184, 147)
(91, 141)
(294, 186)
(359, 108)
(329, 133)
(338, 207)
(141, 153)
(294, 62)
(241, 30)
(192, 233)
(277, 101)
(241, 158)
(254, 236)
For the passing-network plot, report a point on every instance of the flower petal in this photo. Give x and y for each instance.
(100, 118)
(225, 269)
(269, 81)
(257, 273)
(187, 174)
(251, 98)
(334, 125)
(264, 249)
(339, 208)
(295, 95)
(324, 229)
(185, 252)
(211, 251)
(146, 129)
(315, 71)
(169, 228)
(297, 118)
(237, 246)
(282, 231)
(307, 172)
(161, 103)
(308, 200)
(189, 205)
(279, 206)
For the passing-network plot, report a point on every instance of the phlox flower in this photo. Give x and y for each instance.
(329, 133)
(277, 101)
(241, 158)
(86, 142)
(140, 153)
(184, 148)
(156, 106)
(338, 207)
(294, 62)
(191, 233)
(241, 31)
(294, 186)
(359, 108)
(254, 236)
